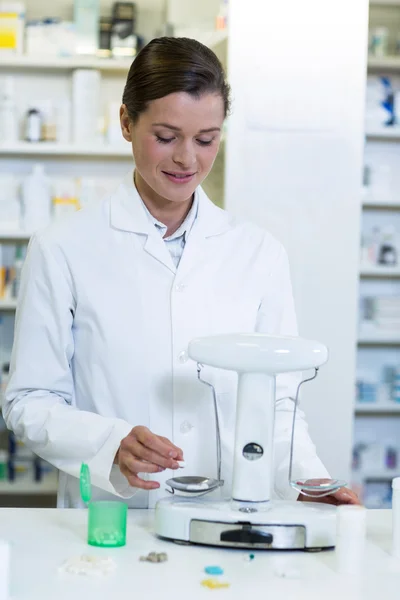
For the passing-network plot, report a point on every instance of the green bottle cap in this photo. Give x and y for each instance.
(85, 485)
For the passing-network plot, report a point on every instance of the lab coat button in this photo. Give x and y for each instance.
(180, 287)
(186, 427)
(183, 357)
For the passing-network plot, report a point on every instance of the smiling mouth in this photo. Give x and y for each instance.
(179, 176)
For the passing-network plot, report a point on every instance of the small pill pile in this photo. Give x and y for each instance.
(88, 565)
(155, 557)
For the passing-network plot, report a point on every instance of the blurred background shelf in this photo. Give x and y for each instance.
(377, 409)
(55, 63)
(378, 474)
(8, 305)
(381, 204)
(14, 236)
(26, 486)
(379, 339)
(58, 149)
(384, 133)
(384, 2)
(386, 63)
(379, 271)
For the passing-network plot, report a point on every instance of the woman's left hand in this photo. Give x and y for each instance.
(341, 496)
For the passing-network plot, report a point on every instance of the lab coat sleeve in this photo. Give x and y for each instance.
(277, 317)
(38, 404)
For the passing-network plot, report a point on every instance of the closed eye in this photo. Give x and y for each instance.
(162, 140)
(205, 142)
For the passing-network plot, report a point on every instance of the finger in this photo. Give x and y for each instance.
(346, 496)
(179, 450)
(138, 450)
(137, 482)
(321, 499)
(135, 465)
(155, 443)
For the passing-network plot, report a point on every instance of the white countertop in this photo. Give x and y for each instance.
(42, 539)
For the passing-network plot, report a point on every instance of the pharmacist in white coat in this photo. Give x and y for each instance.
(111, 297)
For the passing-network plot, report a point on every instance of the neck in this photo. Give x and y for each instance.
(171, 214)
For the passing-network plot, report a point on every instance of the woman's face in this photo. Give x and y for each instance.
(175, 142)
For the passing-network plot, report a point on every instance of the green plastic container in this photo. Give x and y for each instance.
(107, 524)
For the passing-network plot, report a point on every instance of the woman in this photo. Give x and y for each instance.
(111, 298)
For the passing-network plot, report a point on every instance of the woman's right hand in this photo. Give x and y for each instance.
(142, 451)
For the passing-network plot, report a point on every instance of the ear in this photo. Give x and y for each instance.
(126, 125)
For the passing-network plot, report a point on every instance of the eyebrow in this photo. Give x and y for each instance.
(209, 130)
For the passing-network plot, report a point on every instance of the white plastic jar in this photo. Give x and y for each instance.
(350, 538)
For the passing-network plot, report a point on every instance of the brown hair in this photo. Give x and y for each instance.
(168, 65)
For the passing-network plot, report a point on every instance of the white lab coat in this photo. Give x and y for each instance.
(102, 329)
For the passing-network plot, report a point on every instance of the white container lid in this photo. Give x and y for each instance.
(396, 483)
(351, 520)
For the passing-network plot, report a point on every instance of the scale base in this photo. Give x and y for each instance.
(276, 525)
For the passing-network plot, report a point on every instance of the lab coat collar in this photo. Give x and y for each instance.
(128, 212)
(184, 228)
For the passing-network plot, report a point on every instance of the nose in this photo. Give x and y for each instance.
(185, 154)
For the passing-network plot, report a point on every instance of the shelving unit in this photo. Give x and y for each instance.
(380, 204)
(384, 133)
(379, 271)
(380, 474)
(386, 63)
(8, 305)
(377, 409)
(51, 63)
(379, 347)
(379, 339)
(383, 415)
(385, 2)
(28, 487)
(105, 65)
(14, 236)
(55, 149)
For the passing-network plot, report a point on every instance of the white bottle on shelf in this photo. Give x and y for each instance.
(36, 200)
(33, 125)
(86, 96)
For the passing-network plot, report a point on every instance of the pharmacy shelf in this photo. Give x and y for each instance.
(54, 149)
(384, 133)
(386, 63)
(26, 486)
(17, 236)
(381, 204)
(8, 305)
(377, 409)
(110, 65)
(385, 474)
(384, 2)
(379, 338)
(379, 271)
(55, 63)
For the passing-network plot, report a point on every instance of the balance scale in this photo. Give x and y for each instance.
(196, 512)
